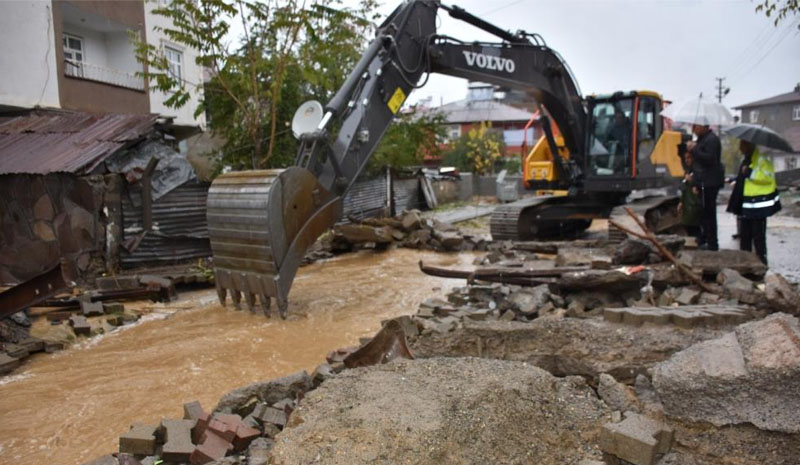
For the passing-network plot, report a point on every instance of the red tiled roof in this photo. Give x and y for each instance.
(51, 141)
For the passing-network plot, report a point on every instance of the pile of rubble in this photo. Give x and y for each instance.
(579, 352)
(408, 229)
(91, 313)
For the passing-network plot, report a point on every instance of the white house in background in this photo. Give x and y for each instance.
(77, 55)
(183, 64)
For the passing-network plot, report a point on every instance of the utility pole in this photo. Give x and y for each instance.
(721, 90)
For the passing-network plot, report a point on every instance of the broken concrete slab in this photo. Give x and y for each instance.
(637, 439)
(114, 283)
(140, 440)
(736, 286)
(712, 262)
(714, 381)
(607, 280)
(178, 445)
(360, 234)
(577, 256)
(781, 295)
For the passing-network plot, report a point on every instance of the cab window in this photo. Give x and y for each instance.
(610, 139)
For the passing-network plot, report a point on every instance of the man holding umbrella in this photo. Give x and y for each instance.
(755, 196)
(708, 171)
(709, 176)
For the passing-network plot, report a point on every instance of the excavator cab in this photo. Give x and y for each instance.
(610, 137)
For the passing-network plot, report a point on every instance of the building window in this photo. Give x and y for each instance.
(754, 116)
(73, 54)
(791, 163)
(796, 113)
(454, 132)
(174, 62)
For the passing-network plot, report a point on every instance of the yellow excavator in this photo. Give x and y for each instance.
(262, 222)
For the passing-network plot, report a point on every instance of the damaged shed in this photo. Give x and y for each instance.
(105, 190)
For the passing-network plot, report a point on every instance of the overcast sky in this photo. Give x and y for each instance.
(675, 47)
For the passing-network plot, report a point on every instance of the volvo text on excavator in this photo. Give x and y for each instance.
(603, 147)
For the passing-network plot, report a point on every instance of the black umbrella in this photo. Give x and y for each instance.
(759, 135)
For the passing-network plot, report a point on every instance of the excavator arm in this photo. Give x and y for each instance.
(262, 222)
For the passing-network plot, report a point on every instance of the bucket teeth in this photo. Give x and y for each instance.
(221, 293)
(236, 296)
(250, 298)
(260, 224)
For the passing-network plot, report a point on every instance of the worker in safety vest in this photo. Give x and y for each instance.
(755, 197)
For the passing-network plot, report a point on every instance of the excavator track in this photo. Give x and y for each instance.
(543, 216)
(659, 213)
(260, 224)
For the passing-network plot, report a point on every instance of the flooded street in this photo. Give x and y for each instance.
(71, 407)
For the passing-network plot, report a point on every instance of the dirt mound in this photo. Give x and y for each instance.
(444, 410)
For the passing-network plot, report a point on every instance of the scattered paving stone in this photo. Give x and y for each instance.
(140, 440)
(715, 381)
(80, 325)
(177, 436)
(320, 374)
(258, 452)
(113, 307)
(15, 350)
(637, 439)
(508, 315)
(274, 416)
(269, 391)
(212, 447)
(617, 395)
(687, 296)
(90, 309)
(7, 363)
(110, 283)
(689, 316)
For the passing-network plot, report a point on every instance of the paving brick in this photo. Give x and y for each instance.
(613, 315)
(192, 410)
(32, 345)
(80, 325)
(637, 439)
(274, 416)
(91, 308)
(53, 346)
(177, 436)
(222, 429)
(7, 363)
(140, 440)
(212, 447)
(113, 307)
(115, 320)
(243, 433)
(117, 282)
(15, 350)
(200, 427)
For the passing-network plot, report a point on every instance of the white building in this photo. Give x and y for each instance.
(77, 55)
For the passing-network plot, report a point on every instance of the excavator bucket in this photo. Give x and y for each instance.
(260, 224)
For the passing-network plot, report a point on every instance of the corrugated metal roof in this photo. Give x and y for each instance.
(466, 111)
(788, 97)
(54, 141)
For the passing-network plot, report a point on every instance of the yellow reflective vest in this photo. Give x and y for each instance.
(760, 196)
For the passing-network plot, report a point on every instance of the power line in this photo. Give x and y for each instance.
(789, 29)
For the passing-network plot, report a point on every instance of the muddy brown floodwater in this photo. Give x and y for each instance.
(71, 407)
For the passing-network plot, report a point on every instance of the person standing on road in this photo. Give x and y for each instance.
(709, 175)
(755, 197)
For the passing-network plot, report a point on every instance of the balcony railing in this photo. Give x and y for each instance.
(81, 70)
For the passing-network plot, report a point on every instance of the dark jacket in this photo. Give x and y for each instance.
(707, 165)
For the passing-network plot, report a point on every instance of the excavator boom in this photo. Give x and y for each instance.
(262, 222)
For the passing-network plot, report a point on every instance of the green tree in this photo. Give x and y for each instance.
(411, 136)
(257, 85)
(779, 9)
(478, 150)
